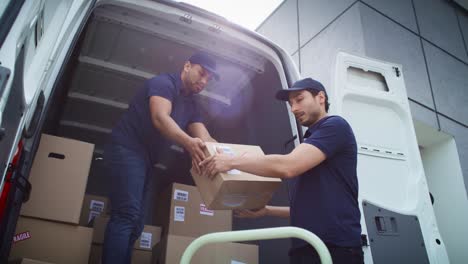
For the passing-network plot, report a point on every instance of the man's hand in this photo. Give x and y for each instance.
(244, 213)
(195, 147)
(219, 162)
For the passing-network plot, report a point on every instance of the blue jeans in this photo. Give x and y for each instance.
(129, 176)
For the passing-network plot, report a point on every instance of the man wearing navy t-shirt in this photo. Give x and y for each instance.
(322, 173)
(163, 109)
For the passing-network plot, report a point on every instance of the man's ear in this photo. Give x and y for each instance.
(322, 96)
(187, 66)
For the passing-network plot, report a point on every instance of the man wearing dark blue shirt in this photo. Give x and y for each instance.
(164, 109)
(322, 173)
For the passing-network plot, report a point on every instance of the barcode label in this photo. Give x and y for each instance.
(205, 211)
(92, 215)
(96, 206)
(145, 240)
(181, 195)
(179, 213)
(229, 151)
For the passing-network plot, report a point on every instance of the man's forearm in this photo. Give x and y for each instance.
(169, 128)
(276, 166)
(278, 211)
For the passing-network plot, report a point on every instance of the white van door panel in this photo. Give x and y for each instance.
(397, 215)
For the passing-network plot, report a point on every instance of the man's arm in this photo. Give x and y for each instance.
(277, 211)
(160, 109)
(199, 130)
(300, 160)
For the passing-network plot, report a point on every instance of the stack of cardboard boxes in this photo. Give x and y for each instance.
(48, 228)
(55, 224)
(184, 217)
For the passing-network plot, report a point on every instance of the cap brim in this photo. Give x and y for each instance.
(283, 95)
(212, 71)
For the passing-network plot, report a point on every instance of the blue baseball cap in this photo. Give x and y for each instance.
(206, 61)
(304, 84)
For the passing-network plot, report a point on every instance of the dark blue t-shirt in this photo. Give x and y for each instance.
(324, 200)
(135, 129)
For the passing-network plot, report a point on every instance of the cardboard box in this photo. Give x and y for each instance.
(171, 249)
(58, 177)
(138, 256)
(93, 206)
(235, 189)
(150, 236)
(27, 261)
(180, 211)
(51, 241)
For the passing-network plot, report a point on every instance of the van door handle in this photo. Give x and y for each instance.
(31, 130)
(2, 133)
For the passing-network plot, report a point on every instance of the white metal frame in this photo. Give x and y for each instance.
(258, 234)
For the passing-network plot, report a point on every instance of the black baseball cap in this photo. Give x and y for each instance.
(206, 61)
(304, 84)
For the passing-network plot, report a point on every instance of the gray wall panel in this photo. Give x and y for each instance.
(388, 41)
(400, 10)
(423, 115)
(438, 23)
(315, 15)
(460, 134)
(319, 55)
(449, 83)
(463, 18)
(281, 26)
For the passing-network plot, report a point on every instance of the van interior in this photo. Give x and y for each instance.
(120, 48)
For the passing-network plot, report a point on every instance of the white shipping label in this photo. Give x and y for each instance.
(96, 205)
(205, 211)
(92, 215)
(181, 195)
(227, 150)
(145, 240)
(237, 262)
(179, 213)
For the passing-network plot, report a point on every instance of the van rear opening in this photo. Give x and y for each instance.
(122, 47)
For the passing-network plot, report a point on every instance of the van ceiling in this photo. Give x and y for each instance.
(122, 48)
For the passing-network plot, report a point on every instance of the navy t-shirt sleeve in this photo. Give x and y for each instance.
(330, 137)
(161, 87)
(196, 115)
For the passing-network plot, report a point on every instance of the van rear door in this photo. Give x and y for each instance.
(398, 218)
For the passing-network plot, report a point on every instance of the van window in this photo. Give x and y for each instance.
(9, 9)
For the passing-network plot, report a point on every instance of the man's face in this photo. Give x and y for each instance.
(306, 108)
(196, 78)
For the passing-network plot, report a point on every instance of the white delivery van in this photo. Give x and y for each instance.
(70, 67)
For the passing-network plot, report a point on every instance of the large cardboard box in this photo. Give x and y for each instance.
(58, 177)
(180, 211)
(235, 189)
(93, 206)
(138, 256)
(171, 249)
(51, 241)
(150, 236)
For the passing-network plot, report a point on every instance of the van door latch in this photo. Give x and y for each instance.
(186, 18)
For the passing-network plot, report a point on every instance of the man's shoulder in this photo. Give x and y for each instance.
(335, 120)
(165, 79)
